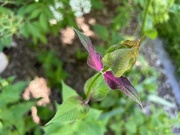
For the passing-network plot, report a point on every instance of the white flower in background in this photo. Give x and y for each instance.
(80, 7)
(57, 14)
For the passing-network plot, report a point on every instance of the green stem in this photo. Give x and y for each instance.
(91, 85)
(145, 16)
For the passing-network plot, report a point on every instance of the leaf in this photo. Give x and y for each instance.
(15, 112)
(161, 101)
(12, 93)
(102, 31)
(43, 38)
(87, 126)
(94, 58)
(35, 14)
(6, 40)
(97, 87)
(67, 91)
(33, 30)
(121, 59)
(70, 110)
(84, 40)
(122, 84)
(24, 31)
(31, 7)
(111, 113)
(43, 22)
(20, 109)
(151, 33)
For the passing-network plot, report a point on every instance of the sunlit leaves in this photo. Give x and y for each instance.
(67, 92)
(87, 126)
(98, 89)
(13, 108)
(12, 93)
(121, 59)
(70, 110)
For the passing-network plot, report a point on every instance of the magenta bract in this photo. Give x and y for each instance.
(94, 58)
(123, 84)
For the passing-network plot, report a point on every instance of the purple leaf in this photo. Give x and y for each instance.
(123, 84)
(94, 61)
(94, 58)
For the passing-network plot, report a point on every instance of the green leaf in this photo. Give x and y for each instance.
(97, 4)
(97, 87)
(24, 31)
(90, 125)
(70, 110)
(35, 14)
(32, 7)
(6, 40)
(67, 91)
(20, 109)
(44, 112)
(12, 93)
(131, 127)
(43, 38)
(87, 126)
(151, 33)
(33, 30)
(159, 100)
(102, 31)
(121, 59)
(43, 20)
(4, 10)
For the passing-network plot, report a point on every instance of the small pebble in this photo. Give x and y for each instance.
(3, 62)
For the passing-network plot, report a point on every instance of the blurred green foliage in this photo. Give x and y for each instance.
(153, 13)
(118, 115)
(14, 118)
(162, 18)
(33, 20)
(169, 31)
(53, 68)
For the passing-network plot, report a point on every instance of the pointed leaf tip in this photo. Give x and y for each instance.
(94, 59)
(123, 84)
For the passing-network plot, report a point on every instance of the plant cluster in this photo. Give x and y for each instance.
(169, 31)
(33, 19)
(14, 118)
(101, 109)
(75, 112)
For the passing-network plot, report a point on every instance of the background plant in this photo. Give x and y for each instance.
(14, 118)
(75, 112)
(115, 114)
(33, 19)
(52, 67)
(169, 31)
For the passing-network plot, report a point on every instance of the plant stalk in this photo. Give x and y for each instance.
(90, 87)
(145, 17)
